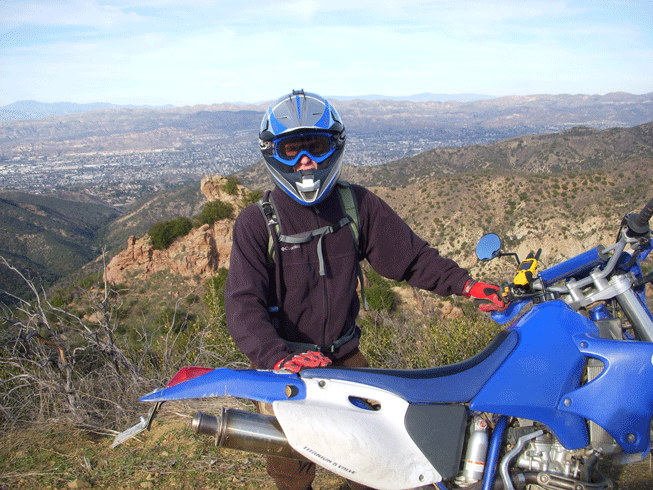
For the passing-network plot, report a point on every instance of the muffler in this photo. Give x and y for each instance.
(245, 431)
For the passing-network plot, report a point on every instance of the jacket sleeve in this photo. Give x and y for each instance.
(246, 292)
(396, 252)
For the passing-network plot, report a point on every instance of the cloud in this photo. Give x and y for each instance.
(88, 13)
(202, 51)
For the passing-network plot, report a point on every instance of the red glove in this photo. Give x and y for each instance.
(297, 362)
(486, 296)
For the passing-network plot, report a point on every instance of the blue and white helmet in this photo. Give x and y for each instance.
(301, 124)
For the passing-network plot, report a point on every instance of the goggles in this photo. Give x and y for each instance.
(316, 146)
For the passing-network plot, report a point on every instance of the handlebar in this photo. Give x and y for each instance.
(594, 268)
(574, 266)
(638, 223)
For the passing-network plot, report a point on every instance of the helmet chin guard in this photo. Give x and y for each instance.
(308, 187)
(299, 117)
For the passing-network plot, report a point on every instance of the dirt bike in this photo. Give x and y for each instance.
(567, 383)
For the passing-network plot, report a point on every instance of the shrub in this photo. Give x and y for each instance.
(253, 197)
(164, 233)
(379, 294)
(54, 367)
(175, 318)
(393, 342)
(215, 288)
(459, 339)
(217, 332)
(231, 186)
(380, 298)
(57, 302)
(215, 211)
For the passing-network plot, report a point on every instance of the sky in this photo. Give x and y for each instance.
(188, 52)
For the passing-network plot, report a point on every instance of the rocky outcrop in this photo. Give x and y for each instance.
(218, 188)
(197, 255)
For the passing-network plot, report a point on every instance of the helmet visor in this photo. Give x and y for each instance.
(317, 146)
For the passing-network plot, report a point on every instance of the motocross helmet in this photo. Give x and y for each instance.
(296, 125)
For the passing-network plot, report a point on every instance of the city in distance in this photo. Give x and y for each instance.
(119, 153)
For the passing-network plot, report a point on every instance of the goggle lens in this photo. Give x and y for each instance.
(315, 145)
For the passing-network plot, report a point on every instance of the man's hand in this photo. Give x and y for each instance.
(297, 362)
(486, 296)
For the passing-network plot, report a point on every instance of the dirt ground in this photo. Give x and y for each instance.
(169, 456)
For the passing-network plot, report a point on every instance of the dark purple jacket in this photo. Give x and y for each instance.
(313, 308)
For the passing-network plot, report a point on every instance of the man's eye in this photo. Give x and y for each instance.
(292, 150)
(318, 147)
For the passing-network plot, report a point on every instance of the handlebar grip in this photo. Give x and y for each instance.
(638, 223)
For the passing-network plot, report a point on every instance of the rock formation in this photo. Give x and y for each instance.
(197, 255)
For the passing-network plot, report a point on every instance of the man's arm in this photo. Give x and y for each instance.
(246, 292)
(396, 252)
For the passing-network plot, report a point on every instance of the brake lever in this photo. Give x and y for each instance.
(643, 280)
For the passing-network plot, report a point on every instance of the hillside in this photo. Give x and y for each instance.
(562, 212)
(138, 217)
(577, 149)
(49, 236)
(515, 187)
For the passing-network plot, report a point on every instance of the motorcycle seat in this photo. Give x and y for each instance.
(455, 383)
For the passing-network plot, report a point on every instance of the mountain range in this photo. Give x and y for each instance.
(32, 109)
(118, 154)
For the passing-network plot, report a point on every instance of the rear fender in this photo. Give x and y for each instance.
(257, 385)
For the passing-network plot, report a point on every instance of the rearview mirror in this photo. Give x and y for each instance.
(488, 247)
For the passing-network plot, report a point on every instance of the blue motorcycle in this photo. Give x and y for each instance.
(567, 383)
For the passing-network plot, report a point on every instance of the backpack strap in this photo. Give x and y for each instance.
(353, 331)
(349, 205)
(307, 236)
(271, 217)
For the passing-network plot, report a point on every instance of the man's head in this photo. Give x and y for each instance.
(302, 140)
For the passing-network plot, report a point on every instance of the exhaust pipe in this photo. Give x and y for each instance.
(246, 431)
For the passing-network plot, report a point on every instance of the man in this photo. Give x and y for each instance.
(295, 306)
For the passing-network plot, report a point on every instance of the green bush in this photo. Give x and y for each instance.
(88, 282)
(380, 298)
(215, 288)
(217, 325)
(231, 186)
(57, 302)
(393, 342)
(175, 319)
(253, 197)
(379, 293)
(164, 233)
(215, 211)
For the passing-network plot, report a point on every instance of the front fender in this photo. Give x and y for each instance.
(252, 384)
